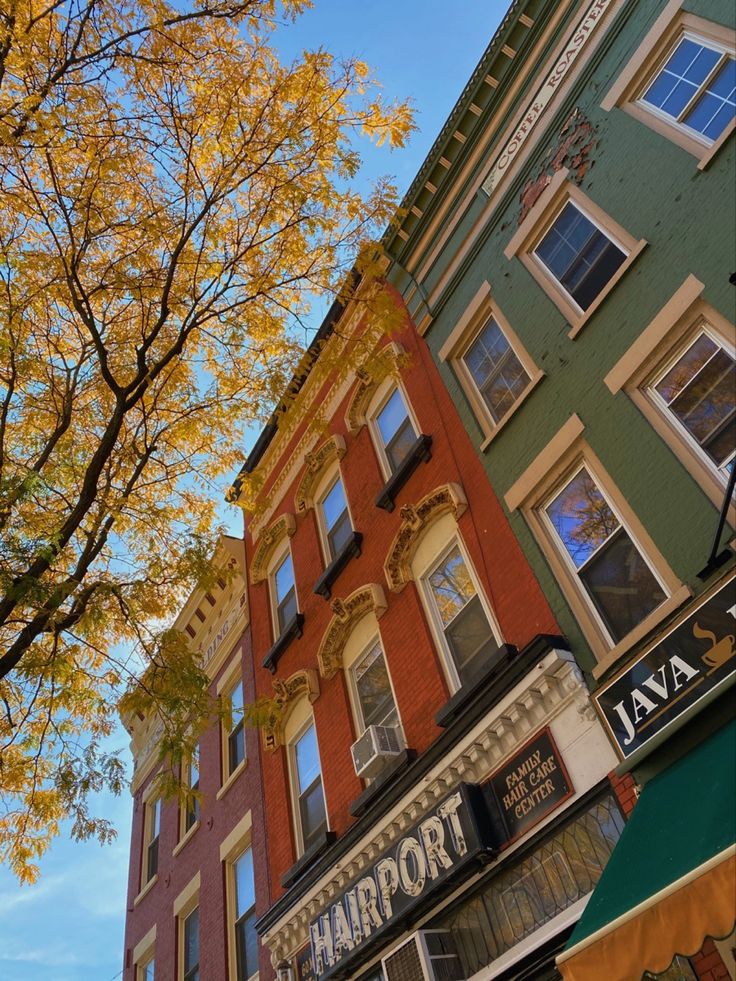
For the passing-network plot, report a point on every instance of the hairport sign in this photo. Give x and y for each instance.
(455, 835)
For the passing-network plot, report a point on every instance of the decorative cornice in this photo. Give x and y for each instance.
(450, 498)
(368, 599)
(369, 377)
(286, 693)
(540, 696)
(283, 527)
(317, 462)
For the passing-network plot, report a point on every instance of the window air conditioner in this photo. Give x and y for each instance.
(428, 955)
(377, 745)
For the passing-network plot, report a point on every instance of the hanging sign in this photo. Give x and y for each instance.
(683, 666)
(456, 833)
(535, 109)
(531, 784)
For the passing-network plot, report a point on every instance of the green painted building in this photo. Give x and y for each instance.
(567, 252)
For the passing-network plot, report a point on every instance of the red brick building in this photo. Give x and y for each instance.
(392, 611)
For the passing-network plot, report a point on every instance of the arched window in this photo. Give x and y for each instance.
(305, 777)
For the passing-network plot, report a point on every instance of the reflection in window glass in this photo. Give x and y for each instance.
(192, 807)
(373, 688)
(336, 518)
(615, 575)
(696, 88)
(699, 389)
(496, 370)
(285, 592)
(532, 892)
(311, 802)
(236, 734)
(148, 973)
(396, 429)
(154, 829)
(579, 255)
(191, 946)
(246, 938)
(466, 627)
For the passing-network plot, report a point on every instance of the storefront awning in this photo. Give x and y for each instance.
(671, 880)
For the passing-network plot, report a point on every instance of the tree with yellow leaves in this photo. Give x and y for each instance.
(171, 195)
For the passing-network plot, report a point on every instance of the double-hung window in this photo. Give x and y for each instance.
(579, 255)
(191, 813)
(190, 946)
(374, 697)
(697, 390)
(335, 518)
(284, 593)
(466, 629)
(153, 830)
(613, 572)
(395, 429)
(236, 729)
(244, 897)
(695, 88)
(307, 778)
(496, 370)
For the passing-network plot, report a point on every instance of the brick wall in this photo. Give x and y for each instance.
(708, 963)
(626, 791)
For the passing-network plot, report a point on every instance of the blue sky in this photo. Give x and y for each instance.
(69, 926)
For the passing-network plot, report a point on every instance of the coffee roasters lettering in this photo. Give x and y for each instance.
(429, 852)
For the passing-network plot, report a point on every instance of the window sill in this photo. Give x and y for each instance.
(231, 779)
(580, 322)
(706, 159)
(490, 436)
(323, 586)
(311, 855)
(182, 842)
(639, 632)
(421, 450)
(295, 628)
(145, 890)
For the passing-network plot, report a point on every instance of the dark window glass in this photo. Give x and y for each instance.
(700, 391)
(191, 946)
(579, 255)
(518, 901)
(336, 518)
(285, 593)
(312, 812)
(466, 627)
(154, 829)
(496, 370)
(236, 734)
(396, 429)
(373, 687)
(246, 938)
(616, 577)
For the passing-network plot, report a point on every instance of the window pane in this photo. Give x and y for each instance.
(236, 746)
(372, 684)
(149, 971)
(398, 447)
(312, 812)
(496, 370)
(579, 255)
(191, 943)
(307, 758)
(621, 585)
(245, 895)
(471, 639)
(286, 610)
(716, 107)
(236, 703)
(679, 80)
(451, 586)
(581, 517)
(334, 504)
(246, 946)
(340, 534)
(284, 577)
(152, 860)
(391, 416)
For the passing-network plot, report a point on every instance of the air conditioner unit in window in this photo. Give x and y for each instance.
(428, 955)
(377, 745)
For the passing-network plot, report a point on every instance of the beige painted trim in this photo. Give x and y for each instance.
(188, 835)
(183, 903)
(231, 779)
(269, 543)
(237, 839)
(146, 889)
(654, 334)
(482, 308)
(317, 463)
(563, 455)
(682, 317)
(647, 61)
(145, 946)
(536, 224)
(536, 472)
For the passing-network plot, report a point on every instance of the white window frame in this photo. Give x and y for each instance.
(439, 540)
(299, 721)
(380, 397)
(363, 638)
(149, 806)
(230, 678)
(276, 561)
(231, 893)
(184, 832)
(184, 905)
(144, 954)
(324, 487)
